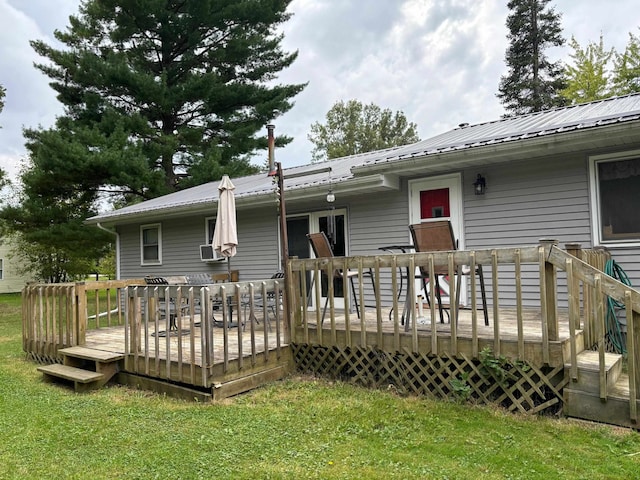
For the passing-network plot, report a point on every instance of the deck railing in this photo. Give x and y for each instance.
(56, 316)
(544, 279)
(590, 284)
(199, 334)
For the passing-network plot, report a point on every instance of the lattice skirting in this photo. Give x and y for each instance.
(42, 358)
(517, 386)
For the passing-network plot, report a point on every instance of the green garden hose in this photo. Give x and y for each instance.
(614, 328)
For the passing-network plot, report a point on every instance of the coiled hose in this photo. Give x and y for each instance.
(614, 328)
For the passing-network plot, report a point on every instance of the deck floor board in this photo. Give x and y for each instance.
(112, 339)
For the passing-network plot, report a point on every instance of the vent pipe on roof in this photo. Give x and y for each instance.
(272, 145)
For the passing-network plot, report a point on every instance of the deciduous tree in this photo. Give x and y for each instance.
(352, 128)
(626, 72)
(588, 78)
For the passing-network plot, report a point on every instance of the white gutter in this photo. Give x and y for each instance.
(351, 185)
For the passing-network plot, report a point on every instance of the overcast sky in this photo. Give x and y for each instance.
(438, 61)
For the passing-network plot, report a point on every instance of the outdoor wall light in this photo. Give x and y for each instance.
(331, 196)
(480, 185)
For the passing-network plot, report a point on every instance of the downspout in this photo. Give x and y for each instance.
(113, 232)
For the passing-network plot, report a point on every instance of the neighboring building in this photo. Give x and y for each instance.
(571, 173)
(11, 278)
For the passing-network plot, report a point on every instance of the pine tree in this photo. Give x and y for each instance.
(533, 83)
(353, 128)
(158, 95)
(588, 78)
(159, 92)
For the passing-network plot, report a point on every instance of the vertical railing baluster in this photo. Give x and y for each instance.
(601, 332)
(632, 359)
(474, 305)
(496, 304)
(519, 310)
(432, 303)
(574, 316)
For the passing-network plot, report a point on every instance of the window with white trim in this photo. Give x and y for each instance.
(616, 198)
(151, 244)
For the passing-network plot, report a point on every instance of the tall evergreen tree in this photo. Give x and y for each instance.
(588, 78)
(533, 83)
(158, 95)
(352, 127)
(159, 92)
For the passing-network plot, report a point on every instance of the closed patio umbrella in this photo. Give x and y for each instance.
(225, 234)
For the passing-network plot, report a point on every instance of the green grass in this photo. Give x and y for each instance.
(298, 428)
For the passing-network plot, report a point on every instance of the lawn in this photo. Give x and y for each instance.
(298, 428)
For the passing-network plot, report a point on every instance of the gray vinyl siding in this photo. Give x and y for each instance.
(380, 220)
(257, 255)
(523, 204)
(525, 201)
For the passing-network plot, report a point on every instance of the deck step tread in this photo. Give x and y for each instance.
(91, 354)
(70, 373)
(590, 360)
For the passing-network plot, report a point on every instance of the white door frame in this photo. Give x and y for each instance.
(314, 227)
(453, 182)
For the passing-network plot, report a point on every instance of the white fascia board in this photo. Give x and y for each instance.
(370, 183)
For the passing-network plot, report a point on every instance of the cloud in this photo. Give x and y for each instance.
(438, 61)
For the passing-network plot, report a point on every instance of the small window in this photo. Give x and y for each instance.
(1, 268)
(210, 225)
(617, 183)
(151, 244)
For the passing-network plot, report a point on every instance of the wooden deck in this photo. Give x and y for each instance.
(181, 344)
(530, 357)
(252, 339)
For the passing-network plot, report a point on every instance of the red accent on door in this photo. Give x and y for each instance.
(434, 203)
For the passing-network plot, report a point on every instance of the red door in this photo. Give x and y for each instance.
(434, 203)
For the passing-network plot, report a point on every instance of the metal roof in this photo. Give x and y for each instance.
(254, 188)
(532, 125)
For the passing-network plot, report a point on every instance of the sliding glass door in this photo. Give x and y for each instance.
(333, 224)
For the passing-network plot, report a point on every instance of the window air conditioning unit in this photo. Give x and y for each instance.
(208, 254)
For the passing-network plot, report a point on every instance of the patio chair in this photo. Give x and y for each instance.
(322, 249)
(271, 301)
(438, 236)
(167, 311)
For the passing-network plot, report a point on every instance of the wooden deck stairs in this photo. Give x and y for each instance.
(85, 368)
(582, 397)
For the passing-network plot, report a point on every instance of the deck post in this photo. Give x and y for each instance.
(551, 284)
(80, 326)
(575, 249)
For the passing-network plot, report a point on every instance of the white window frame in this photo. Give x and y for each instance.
(594, 198)
(150, 226)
